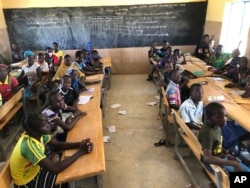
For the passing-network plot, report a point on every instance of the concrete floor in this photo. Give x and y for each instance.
(132, 160)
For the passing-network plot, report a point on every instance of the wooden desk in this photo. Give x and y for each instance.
(89, 126)
(94, 78)
(234, 110)
(94, 102)
(92, 164)
(106, 61)
(233, 92)
(197, 67)
(18, 64)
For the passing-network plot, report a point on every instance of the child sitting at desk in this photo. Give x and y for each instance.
(191, 110)
(219, 58)
(173, 91)
(8, 86)
(211, 140)
(54, 112)
(31, 74)
(165, 74)
(64, 67)
(239, 75)
(153, 56)
(165, 59)
(69, 94)
(76, 83)
(29, 166)
(95, 61)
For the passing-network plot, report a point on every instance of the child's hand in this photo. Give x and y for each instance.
(86, 146)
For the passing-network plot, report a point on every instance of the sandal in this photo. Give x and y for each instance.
(160, 143)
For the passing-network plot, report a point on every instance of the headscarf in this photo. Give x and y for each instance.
(28, 53)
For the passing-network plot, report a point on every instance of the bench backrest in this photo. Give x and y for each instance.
(219, 177)
(5, 177)
(10, 103)
(166, 105)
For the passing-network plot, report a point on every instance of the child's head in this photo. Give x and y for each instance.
(165, 44)
(79, 56)
(153, 44)
(95, 54)
(36, 124)
(205, 39)
(169, 51)
(168, 66)
(196, 92)
(49, 51)
(177, 52)
(40, 58)
(67, 60)
(3, 72)
(243, 62)
(211, 43)
(216, 114)
(55, 45)
(175, 76)
(55, 100)
(219, 49)
(243, 68)
(66, 82)
(74, 75)
(235, 53)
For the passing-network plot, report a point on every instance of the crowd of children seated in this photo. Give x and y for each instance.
(205, 122)
(65, 80)
(46, 129)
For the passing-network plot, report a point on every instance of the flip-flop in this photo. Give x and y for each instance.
(160, 143)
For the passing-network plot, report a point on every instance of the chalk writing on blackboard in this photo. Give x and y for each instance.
(107, 26)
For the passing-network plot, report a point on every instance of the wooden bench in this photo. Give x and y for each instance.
(7, 112)
(165, 114)
(219, 177)
(5, 177)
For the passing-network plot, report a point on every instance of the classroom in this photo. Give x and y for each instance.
(130, 156)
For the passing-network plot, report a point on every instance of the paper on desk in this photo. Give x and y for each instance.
(111, 128)
(215, 98)
(217, 78)
(90, 90)
(122, 112)
(84, 99)
(115, 105)
(237, 92)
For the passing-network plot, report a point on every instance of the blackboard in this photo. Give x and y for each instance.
(106, 26)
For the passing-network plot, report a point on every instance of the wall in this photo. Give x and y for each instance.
(127, 60)
(4, 44)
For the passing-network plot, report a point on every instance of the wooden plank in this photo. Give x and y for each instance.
(91, 164)
(10, 103)
(94, 78)
(194, 144)
(10, 114)
(106, 61)
(5, 177)
(235, 111)
(95, 101)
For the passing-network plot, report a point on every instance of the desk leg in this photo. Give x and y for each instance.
(72, 184)
(99, 181)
